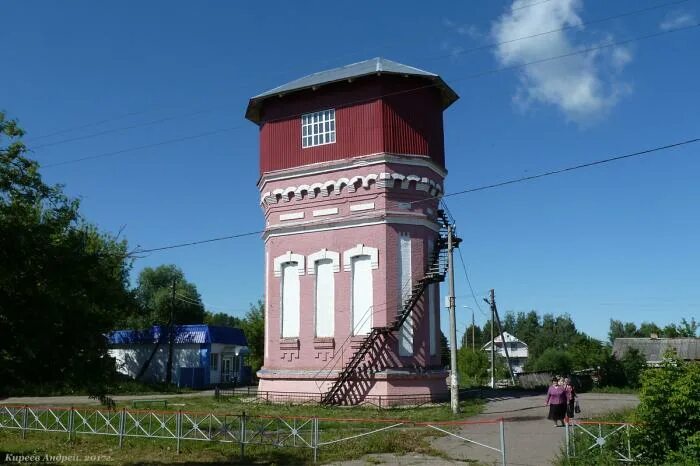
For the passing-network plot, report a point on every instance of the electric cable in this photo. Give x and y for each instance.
(390, 94)
(457, 193)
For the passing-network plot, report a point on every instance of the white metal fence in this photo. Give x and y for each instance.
(584, 438)
(298, 432)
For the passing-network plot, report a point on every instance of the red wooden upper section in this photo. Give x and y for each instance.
(397, 114)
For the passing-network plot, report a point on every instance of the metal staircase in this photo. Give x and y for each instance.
(435, 273)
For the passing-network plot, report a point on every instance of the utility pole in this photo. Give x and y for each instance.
(169, 366)
(493, 346)
(473, 338)
(454, 381)
(492, 305)
(503, 340)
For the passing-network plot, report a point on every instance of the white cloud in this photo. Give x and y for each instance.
(584, 87)
(677, 19)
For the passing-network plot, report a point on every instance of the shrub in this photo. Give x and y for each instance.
(669, 413)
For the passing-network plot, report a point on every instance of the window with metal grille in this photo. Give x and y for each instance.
(318, 128)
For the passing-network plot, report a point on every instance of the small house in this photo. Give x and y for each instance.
(203, 355)
(517, 350)
(654, 348)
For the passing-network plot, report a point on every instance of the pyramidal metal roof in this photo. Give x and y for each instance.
(374, 66)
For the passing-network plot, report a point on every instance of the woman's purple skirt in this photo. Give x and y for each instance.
(557, 412)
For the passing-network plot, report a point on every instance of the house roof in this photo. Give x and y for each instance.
(653, 349)
(374, 66)
(184, 334)
(507, 337)
(521, 351)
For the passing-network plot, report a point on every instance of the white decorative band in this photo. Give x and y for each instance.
(360, 207)
(292, 216)
(322, 212)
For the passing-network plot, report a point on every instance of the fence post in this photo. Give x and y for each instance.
(242, 435)
(567, 439)
(122, 427)
(629, 444)
(178, 428)
(70, 423)
(314, 439)
(502, 431)
(25, 413)
(217, 395)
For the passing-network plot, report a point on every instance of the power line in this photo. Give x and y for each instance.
(466, 275)
(89, 125)
(522, 7)
(194, 243)
(126, 128)
(561, 29)
(145, 146)
(572, 168)
(466, 191)
(390, 94)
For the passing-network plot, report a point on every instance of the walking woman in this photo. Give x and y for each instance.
(556, 400)
(570, 399)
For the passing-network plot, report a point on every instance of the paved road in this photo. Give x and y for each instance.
(85, 400)
(530, 438)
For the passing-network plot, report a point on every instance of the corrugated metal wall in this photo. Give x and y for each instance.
(376, 114)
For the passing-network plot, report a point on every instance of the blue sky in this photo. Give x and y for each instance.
(617, 241)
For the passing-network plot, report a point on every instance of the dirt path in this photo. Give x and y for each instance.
(530, 438)
(85, 400)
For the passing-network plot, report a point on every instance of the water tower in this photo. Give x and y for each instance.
(352, 166)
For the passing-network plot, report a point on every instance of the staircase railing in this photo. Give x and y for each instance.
(435, 273)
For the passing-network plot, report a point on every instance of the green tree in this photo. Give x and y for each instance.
(472, 366)
(587, 353)
(553, 360)
(154, 293)
(444, 351)
(619, 329)
(688, 329)
(63, 283)
(253, 326)
(669, 413)
(222, 319)
(467, 337)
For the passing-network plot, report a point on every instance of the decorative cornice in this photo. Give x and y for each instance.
(338, 165)
(384, 180)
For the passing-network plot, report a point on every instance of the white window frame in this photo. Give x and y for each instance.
(313, 259)
(318, 128)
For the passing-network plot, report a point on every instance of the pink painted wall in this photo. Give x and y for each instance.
(314, 356)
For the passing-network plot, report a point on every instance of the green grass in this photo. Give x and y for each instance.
(409, 439)
(122, 386)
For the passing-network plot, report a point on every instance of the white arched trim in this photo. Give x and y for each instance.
(360, 250)
(321, 255)
(288, 256)
(377, 180)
